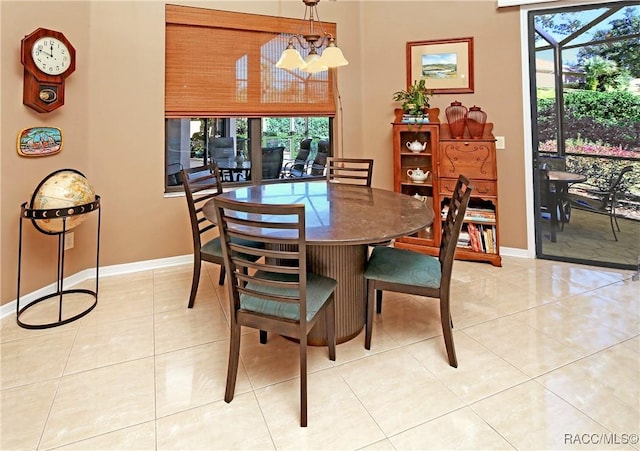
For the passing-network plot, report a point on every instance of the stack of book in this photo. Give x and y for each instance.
(480, 215)
(482, 238)
(479, 232)
(411, 119)
(474, 214)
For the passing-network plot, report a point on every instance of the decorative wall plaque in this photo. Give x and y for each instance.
(39, 141)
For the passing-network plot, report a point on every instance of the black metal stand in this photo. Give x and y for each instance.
(63, 214)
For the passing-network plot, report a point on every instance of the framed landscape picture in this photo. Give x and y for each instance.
(39, 141)
(445, 64)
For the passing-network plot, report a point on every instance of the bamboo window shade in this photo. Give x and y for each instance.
(221, 63)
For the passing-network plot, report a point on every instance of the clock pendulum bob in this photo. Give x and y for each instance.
(41, 96)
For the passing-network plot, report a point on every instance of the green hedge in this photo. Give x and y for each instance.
(600, 172)
(611, 118)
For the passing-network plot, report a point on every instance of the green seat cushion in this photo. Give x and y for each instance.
(319, 290)
(214, 247)
(403, 266)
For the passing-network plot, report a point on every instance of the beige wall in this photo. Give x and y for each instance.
(113, 125)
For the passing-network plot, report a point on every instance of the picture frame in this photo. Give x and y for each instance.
(39, 141)
(445, 64)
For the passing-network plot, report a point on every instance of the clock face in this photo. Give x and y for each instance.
(50, 55)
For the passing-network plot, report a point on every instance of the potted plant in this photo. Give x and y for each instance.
(415, 99)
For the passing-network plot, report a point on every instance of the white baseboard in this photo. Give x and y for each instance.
(126, 268)
(516, 252)
(105, 271)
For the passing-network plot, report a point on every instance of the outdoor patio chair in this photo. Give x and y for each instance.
(603, 201)
(272, 158)
(298, 167)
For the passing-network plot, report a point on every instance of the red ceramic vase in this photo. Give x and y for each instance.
(456, 114)
(476, 119)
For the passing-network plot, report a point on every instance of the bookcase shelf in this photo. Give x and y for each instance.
(445, 158)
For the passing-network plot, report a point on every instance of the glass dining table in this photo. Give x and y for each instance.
(341, 222)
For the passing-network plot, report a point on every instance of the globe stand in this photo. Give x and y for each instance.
(63, 214)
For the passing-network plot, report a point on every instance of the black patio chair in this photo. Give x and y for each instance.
(604, 202)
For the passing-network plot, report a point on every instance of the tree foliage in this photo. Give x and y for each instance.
(604, 75)
(625, 52)
(608, 43)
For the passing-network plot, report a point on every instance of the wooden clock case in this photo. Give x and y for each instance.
(43, 92)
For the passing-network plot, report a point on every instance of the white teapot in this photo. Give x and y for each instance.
(417, 175)
(416, 146)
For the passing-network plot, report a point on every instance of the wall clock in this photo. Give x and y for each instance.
(48, 59)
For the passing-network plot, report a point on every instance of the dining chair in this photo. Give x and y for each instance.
(603, 201)
(356, 171)
(353, 171)
(201, 184)
(275, 292)
(410, 272)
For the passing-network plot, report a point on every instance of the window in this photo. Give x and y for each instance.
(240, 145)
(225, 100)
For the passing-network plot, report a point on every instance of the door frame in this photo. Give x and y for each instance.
(527, 111)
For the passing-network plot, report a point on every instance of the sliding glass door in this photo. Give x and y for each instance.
(585, 91)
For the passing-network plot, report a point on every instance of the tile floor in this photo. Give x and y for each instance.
(549, 359)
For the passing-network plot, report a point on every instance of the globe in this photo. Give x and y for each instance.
(59, 190)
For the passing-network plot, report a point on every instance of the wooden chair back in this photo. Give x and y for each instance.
(356, 171)
(201, 184)
(452, 226)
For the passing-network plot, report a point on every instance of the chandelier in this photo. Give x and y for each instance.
(312, 40)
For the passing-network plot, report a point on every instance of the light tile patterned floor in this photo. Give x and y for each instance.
(549, 357)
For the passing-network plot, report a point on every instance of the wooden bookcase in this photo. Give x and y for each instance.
(446, 158)
(404, 159)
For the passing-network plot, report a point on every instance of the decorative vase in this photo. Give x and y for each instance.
(456, 114)
(476, 119)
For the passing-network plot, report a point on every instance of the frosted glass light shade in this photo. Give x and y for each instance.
(290, 59)
(313, 63)
(332, 56)
(313, 67)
